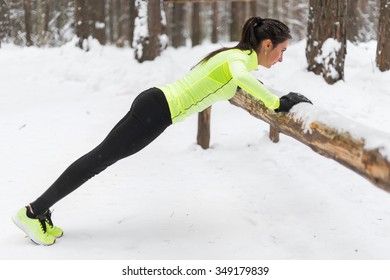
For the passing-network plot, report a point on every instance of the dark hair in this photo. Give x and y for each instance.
(254, 32)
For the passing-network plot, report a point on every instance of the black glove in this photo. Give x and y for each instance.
(289, 100)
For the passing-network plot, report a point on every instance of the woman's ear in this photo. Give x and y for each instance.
(269, 44)
(266, 44)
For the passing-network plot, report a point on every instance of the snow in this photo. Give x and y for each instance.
(100, 25)
(245, 198)
(373, 138)
(329, 50)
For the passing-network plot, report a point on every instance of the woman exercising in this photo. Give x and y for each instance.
(214, 78)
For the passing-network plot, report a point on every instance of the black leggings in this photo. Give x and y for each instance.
(148, 117)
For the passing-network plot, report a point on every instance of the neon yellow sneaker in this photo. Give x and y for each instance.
(53, 230)
(34, 228)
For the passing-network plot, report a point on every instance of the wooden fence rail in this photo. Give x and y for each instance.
(347, 148)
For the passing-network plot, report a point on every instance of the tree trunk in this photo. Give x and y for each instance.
(326, 140)
(178, 24)
(132, 16)
(278, 9)
(111, 21)
(4, 21)
(141, 33)
(383, 47)
(253, 9)
(237, 16)
(215, 20)
(82, 23)
(352, 21)
(148, 30)
(119, 42)
(326, 42)
(98, 24)
(153, 49)
(196, 35)
(123, 20)
(42, 26)
(27, 22)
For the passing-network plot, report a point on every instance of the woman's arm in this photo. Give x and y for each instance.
(249, 83)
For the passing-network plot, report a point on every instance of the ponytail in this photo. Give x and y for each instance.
(255, 30)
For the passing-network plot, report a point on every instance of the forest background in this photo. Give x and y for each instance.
(54, 22)
(149, 26)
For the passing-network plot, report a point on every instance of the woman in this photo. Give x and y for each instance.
(216, 77)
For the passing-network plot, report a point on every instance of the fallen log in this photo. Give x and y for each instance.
(330, 135)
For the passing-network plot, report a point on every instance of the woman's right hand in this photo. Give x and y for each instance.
(289, 100)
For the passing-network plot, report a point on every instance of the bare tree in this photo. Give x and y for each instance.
(54, 22)
(110, 19)
(60, 22)
(90, 21)
(215, 17)
(252, 9)
(98, 21)
(352, 20)
(326, 41)
(177, 23)
(123, 23)
(4, 21)
(42, 25)
(362, 20)
(149, 39)
(132, 16)
(383, 48)
(27, 22)
(82, 23)
(238, 19)
(196, 34)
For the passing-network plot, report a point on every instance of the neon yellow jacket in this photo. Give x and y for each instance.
(217, 79)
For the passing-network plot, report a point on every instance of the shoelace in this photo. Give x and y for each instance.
(42, 219)
(48, 218)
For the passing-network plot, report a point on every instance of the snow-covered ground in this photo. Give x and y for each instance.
(245, 198)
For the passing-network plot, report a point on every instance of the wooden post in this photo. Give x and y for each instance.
(273, 134)
(203, 138)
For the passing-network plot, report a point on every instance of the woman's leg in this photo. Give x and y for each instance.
(148, 117)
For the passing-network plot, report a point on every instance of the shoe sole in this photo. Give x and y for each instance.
(20, 225)
(58, 236)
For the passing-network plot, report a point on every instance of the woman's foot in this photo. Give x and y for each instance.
(35, 228)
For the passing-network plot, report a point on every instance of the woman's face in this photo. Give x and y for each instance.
(269, 55)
